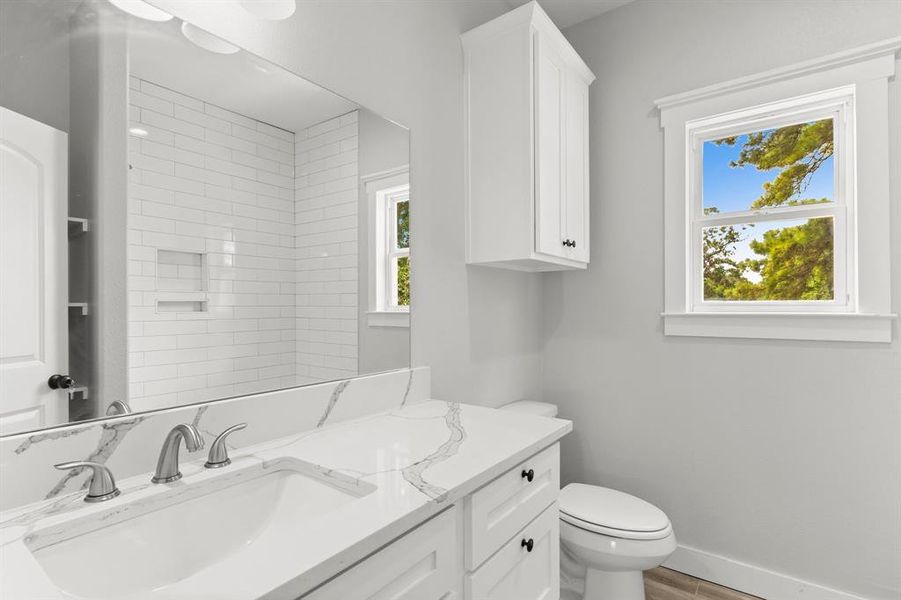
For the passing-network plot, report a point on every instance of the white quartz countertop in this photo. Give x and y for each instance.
(421, 459)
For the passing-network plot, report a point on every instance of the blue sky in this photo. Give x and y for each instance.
(731, 189)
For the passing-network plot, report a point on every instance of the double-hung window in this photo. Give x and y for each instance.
(397, 251)
(771, 204)
(776, 203)
(388, 198)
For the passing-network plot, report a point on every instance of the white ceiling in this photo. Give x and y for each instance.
(569, 12)
(241, 82)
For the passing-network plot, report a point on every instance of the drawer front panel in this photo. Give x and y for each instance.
(497, 511)
(421, 565)
(515, 573)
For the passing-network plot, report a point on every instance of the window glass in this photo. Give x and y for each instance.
(784, 166)
(770, 260)
(403, 281)
(403, 224)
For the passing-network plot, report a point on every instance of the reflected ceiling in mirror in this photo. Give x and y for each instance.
(216, 225)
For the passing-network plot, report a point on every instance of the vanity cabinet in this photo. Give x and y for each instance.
(527, 567)
(526, 129)
(502, 542)
(421, 565)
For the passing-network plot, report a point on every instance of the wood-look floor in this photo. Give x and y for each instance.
(665, 584)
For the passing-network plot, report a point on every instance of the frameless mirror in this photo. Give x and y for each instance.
(182, 221)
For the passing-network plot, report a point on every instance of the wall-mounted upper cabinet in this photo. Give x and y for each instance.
(526, 110)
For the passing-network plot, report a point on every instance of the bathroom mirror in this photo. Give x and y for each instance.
(182, 221)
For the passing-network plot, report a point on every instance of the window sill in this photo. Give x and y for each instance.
(388, 319)
(840, 327)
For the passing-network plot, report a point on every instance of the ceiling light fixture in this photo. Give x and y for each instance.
(271, 10)
(207, 40)
(142, 10)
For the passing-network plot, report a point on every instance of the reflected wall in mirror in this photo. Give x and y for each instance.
(183, 221)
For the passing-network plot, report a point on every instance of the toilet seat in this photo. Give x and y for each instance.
(612, 513)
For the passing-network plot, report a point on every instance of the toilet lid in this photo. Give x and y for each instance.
(611, 512)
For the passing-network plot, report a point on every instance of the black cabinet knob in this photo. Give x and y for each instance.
(573, 244)
(60, 382)
(527, 544)
(528, 475)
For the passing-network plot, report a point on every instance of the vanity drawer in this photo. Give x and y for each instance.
(517, 573)
(421, 565)
(496, 512)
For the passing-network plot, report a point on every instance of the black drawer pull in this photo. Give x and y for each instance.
(528, 475)
(527, 544)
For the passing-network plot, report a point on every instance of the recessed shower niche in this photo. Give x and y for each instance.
(181, 281)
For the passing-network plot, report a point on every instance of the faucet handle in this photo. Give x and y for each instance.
(219, 451)
(103, 485)
(118, 407)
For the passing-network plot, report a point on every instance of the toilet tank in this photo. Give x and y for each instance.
(541, 409)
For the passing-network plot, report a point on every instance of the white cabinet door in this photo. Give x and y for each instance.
(577, 165)
(525, 568)
(33, 272)
(550, 83)
(422, 565)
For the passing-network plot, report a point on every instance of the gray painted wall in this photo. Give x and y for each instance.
(34, 53)
(383, 146)
(785, 455)
(98, 181)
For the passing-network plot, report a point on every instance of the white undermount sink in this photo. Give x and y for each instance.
(158, 540)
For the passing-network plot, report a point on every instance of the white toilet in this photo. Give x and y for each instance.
(610, 536)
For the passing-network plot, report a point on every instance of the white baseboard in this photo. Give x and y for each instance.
(749, 579)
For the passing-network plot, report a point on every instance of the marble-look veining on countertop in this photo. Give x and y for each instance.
(407, 391)
(129, 444)
(414, 473)
(333, 400)
(404, 465)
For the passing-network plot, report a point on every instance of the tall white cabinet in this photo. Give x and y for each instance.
(526, 111)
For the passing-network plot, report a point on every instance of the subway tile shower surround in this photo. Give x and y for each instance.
(232, 287)
(325, 213)
(128, 445)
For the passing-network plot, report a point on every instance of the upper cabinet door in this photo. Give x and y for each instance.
(577, 193)
(526, 160)
(550, 150)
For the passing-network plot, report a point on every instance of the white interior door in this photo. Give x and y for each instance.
(33, 272)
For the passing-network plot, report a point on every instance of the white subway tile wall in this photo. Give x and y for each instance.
(219, 189)
(326, 233)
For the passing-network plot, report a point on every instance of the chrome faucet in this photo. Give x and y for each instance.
(103, 486)
(167, 465)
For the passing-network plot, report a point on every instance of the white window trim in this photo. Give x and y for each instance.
(838, 105)
(379, 188)
(863, 312)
